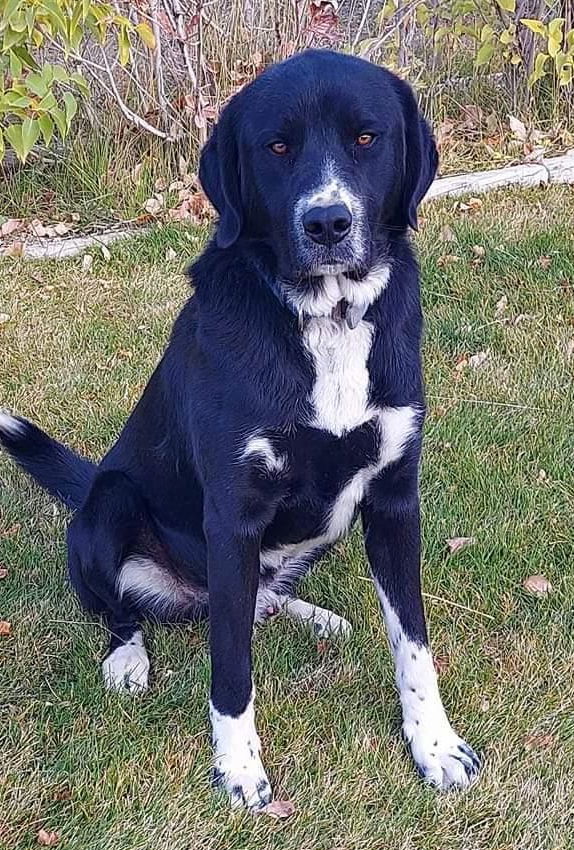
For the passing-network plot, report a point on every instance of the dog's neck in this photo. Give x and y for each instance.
(339, 297)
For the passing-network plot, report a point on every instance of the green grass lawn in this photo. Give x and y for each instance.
(108, 773)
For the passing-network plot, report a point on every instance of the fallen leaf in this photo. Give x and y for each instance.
(477, 360)
(279, 809)
(75, 216)
(11, 530)
(153, 206)
(4, 317)
(47, 838)
(447, 234)
(539, 741)
(160, 184)
(544, 262)
(106, 253)
(537, 585)
(170, 255)
(16, 249)
(447, 260)
(5, 628)
(455, 544)
(3, 572)
(11, 225)
(322, 646)
(87, 261)
(441, 664)
(37, 228)
(461, 364)
(518, 128)
(542, 476)
(61, 228)
(501, 306)
(485, 705)
(570, 349)
(478, 250)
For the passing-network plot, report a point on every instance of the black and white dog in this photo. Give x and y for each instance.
(289, 401)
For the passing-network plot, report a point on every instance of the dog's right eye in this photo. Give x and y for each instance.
(278, 148)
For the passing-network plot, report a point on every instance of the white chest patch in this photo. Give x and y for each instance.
(397, 426)
(341, 390)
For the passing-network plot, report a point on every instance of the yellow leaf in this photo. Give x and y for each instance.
(535, 26)
(507, 5)
(145, 32)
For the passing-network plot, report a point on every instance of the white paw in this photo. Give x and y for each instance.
(126, 669)
(244, 780)
(327, 624)
(443, 759)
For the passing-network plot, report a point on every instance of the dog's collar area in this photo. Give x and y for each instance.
(342, 312)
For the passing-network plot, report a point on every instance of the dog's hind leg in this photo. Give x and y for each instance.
(101, 536)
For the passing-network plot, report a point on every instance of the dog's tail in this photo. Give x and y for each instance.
(61, 472)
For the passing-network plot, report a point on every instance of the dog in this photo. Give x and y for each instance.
(288, 402)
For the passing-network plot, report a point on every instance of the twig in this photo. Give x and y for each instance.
(487, 402)
(458, 605)
(163, 103)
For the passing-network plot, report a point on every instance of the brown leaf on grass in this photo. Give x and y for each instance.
(455, 544)
(539, 741)
(537, 585)
(5, 628)
(16, 249)
(47, 838)
(61, 228)
(4, 317)
(323, 27)
(441, 664)
(3, 572)
(10, 531)
(153, 206)
(447, 234)
(447, 260)
(544, 262)
(87, 261)
(569, 349)
(322, 646)
(461, 364)
(478, 250)
(279, 809)
(106, 253)
(170, 255)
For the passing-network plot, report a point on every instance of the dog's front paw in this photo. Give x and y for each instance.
(126, 669)
(443, 759)
(244, 780)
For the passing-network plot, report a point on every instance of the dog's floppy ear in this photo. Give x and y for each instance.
(219, 176)
(420, 158)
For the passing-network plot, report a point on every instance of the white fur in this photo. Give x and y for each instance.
(439, 753)
(321, 621)
(359, 294)
(397, 425)
(159, 588)
(341, 388)
(10, 425)
(236, 758)
(126, 669)
(332, 190)
(262, 446)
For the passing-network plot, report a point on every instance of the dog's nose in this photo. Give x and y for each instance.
(327, 225)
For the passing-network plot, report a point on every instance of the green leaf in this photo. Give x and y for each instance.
(566, 76)
(124, 46)
(71, 105)
(507, 5)
(486, 33)
(57, 19)
(534, 26)
(36, 84)
(506, 37)
(30, 133)
(15, 65)
(11, 38)
(47, 103)
(11, 7)
(47, 128)
(80, 81)
(2, 148)
(145, 32)
(539, 70)
(25, 58)
(59, 73)
(14, 135)
(59, 118)
(485, 53)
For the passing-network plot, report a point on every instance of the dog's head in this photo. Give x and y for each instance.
(320, 156)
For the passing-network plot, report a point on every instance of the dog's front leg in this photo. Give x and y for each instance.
(392, 537)
(233, 577)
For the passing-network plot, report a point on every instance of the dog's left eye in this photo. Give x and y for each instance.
(365, 140)
(278, 148)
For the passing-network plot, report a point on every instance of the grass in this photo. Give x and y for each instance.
(114, 775)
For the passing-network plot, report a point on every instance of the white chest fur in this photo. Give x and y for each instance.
(340, 355)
